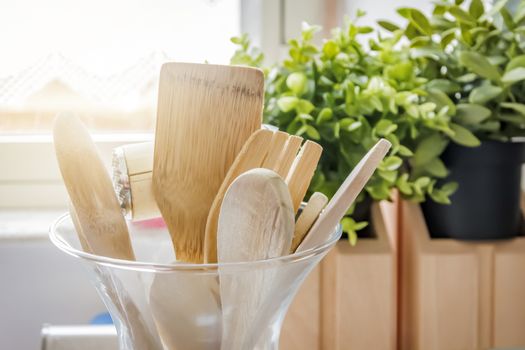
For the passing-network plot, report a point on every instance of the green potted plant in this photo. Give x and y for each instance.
(346, 95)
(474, 57)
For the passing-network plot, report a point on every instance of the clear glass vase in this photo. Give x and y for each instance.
(158, 303)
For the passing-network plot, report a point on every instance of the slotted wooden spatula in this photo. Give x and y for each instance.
(205, 114)
(345, 196)
(90, 190)
(265, 149)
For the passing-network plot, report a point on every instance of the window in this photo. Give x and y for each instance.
(101, 59)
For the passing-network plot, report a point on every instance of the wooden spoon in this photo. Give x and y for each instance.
(90, 190)
(205, 114)
(255, 223)
(345, 196)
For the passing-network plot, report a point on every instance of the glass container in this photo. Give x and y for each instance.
(158, 303)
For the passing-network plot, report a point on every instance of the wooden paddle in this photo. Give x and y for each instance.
(344, 197)
(90, 190)
(205, 114)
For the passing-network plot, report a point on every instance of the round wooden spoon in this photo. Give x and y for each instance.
(256, 222)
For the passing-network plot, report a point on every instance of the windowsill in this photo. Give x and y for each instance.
(27, 224)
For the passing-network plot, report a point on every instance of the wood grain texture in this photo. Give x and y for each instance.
(306, 219)
(256, 223)
(277, 146)
(359, 289)
(459, 295)
(345, 196)
(205, 114)
(302, 170)
(90, 190)
(286, 158)
(251, 156)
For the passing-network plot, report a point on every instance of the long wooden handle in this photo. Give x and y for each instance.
(345, 196)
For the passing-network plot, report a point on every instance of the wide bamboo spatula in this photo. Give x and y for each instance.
(256, 222)
(90, 190)
(345, 196)
(205, 114)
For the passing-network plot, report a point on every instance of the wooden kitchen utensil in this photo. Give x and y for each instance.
(345, 196)
(96, 216)
(255, 223)
(90, 190)
(265, 149)
(306, 219)
(205, 114)
(302, 171)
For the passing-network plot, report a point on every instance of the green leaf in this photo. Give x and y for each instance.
(304, 106)
(421, 21)
(428, 149)
(403, 186)
(514, 75)
(385, 127)
(444, 85)
(478, 64)
(391, 163)
(312, 132)
(518, 61)
(331, 49)
(297, 82)
(391, 27)
(287, 103)
(442, 101)
(405, 151)
(325, 115)
(495, 9)
(471, 114)
(436, 168)
(507, 18)
(461, 15)
(518, 107)
(388, 175)
(476, 8)
(439, 197)
(484, 93)
(449, 188)
(463, 136)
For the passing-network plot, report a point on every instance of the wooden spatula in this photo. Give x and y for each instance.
(205, 114)
(265, 149)
(306, 219)
(256, 222)
(345, 196)
(90, 190)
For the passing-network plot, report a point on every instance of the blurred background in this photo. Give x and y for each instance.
(101, 60)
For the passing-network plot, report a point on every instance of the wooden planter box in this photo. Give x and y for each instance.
(459, 295)
(350, 300)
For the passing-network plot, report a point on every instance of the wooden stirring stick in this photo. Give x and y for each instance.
(345, 196)
(205, 114)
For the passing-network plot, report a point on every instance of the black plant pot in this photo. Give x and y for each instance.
(486, 205)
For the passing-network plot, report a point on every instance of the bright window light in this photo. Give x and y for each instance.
(101, 59)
